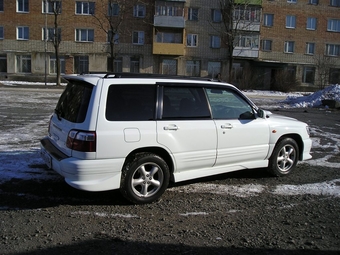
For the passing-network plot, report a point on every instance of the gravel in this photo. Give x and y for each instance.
(197, 217)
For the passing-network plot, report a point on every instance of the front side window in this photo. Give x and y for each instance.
(289, 47)
(84, 35)
(138, 37)
(139, 11)
(333, 50)
(268, 20)
(113, 9)
(192, 40)
(311, 23)
(267, 45)
(51, 6)
(310, 48)
(192, 68)
(184, 103)
(308, 75)
(85, 8)
(290, 21)
(333, 25)
(22, 6)
(215, 42)
(216, 15)
(22, 33)
(193, 14)
(228, 104)
(131, 103)
(23, 63)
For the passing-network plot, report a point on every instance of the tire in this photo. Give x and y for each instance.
(284, 157)
(145, 177)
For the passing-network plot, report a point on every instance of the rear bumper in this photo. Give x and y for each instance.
(83, 174)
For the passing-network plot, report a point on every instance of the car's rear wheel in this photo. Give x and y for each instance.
(284, 157)
(145, 177)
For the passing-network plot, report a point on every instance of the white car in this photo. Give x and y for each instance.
(138, 132)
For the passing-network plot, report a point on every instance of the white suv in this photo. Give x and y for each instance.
(138, 132)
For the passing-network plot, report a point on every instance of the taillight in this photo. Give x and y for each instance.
(81, 141)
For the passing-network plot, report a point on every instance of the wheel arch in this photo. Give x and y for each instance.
(164, 154)
(297, 138)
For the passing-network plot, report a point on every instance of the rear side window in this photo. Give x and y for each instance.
(74, 101)
(184, 103)
(131, 102)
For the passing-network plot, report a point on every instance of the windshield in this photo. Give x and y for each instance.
(74, 101)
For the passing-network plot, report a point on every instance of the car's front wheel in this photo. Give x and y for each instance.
(284, 157)
(145, 177)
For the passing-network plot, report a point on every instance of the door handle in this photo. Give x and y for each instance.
(171, 127)
(227, 126)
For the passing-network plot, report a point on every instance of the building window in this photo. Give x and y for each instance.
(134, 65)
(333, 25)
(247, 41)
(1, 33)
(310, 48)
(334, 75)
(113, 9)
(215, 42)
(335, 3)
(23, 63)
(314, 2)
(247, 13)
(112, 36)
(193, 14)
(308, 75)
(290, 21)
(84, 35)
(22, 6)
(289, 47)
(22, 33)
(214, 68)
(168, 9)
(311, 23)
(138, 37)
(81, 64)
(1, 5)
(267, 45)
(193, 68)
(333, 50)
(168, 37)
(292, 1)
(53, 65)
(49, 34)
(118, 65)
(169, 66)
(3, 64)
(216, 15)
(139, 11)
(268, 20)
(51, 6)
(192, 40)
(85, 8)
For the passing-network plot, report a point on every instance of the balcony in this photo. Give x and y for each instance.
(168, 48)
(246, 52)
(169, 21)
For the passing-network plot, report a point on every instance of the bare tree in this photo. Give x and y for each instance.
(113, 17)
(237, 27)
(54, 35)
(324, 65)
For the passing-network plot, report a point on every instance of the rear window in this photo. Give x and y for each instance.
(74, 101)
(131, 102)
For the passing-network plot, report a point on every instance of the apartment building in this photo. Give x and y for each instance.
(184, 37)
